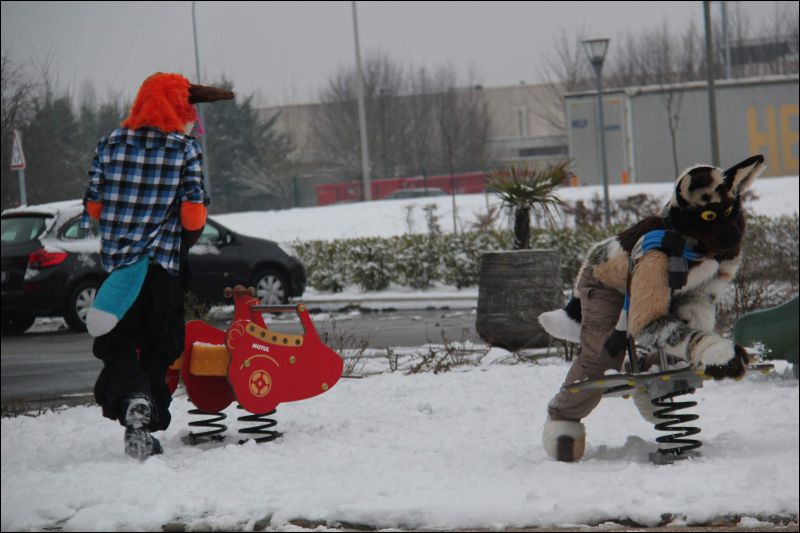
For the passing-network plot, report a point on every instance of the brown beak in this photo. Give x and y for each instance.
(205, 93)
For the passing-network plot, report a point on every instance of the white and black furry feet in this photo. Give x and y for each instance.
(564, 440)
(560, 325)
(139, 443)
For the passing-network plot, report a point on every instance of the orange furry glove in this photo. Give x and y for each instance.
(193, 216)
(94, 209)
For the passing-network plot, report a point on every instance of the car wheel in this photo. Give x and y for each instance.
(271, 287)
(80, 300)
(15, 324)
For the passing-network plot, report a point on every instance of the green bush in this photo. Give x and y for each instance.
(768, 275)
(371, 263)
(324, 263)
(418, 259)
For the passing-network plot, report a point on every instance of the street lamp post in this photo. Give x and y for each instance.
(206, 164)
(712, 91)
(596, 51)
(382, 99)
(362, 113)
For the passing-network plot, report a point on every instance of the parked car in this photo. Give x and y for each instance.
(51, 267)
(414, 193)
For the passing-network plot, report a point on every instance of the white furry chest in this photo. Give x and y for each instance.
(700, 274)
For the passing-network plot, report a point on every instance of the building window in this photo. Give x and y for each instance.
(543, 151)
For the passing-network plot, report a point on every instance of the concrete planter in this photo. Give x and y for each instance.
(514, 288)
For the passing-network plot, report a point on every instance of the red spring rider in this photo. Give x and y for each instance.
(253, 365)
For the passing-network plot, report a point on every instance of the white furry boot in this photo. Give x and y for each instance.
(564, 440)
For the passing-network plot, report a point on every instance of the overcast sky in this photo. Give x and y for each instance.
(284, 51)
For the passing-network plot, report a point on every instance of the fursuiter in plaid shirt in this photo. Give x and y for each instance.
(146, 192)
(664, 307)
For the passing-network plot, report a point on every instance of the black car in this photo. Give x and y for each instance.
(51, 267)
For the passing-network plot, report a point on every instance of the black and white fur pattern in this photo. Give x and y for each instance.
(680, 322)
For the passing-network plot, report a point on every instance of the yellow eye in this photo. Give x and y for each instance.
(708, 216)
(729, 211)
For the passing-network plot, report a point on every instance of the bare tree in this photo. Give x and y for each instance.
(270, 170)
(336, 125)
(418, 121)
(421, 130)
(565, 70)
(658, 58)
(648, 57)
(17, 105)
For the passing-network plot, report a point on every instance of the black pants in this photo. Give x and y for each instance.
(138, 351)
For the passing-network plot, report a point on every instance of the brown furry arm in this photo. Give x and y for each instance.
(650, 292)
(653, 322)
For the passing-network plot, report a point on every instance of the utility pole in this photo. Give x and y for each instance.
(712, 92)
(726, 39)
(362, 114)
(206, 164)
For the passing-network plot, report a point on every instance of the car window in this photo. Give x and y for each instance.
(210, 234)
(73, 230)
(21, 229)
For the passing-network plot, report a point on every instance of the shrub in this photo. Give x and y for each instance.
(768, 274)
(371, 263)
(324, 263)
(418, 260)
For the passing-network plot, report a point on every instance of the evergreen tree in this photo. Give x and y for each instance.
(248, 160)
(54, 171)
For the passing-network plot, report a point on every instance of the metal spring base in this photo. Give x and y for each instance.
(265, 434)
(682, 446)
(213, 434)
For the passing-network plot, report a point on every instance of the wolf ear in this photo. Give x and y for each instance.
(741, 175)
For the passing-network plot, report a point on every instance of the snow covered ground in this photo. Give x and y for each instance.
(458, 449)
(386, 218)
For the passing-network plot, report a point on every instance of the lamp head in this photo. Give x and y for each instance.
(596, 50)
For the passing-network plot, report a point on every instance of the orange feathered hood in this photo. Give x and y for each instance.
(165, 102)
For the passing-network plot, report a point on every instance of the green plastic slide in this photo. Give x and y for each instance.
(775, 328)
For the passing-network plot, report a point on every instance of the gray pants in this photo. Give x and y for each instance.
(600, 308)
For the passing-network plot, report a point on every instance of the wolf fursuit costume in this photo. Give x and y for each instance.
(705, 209)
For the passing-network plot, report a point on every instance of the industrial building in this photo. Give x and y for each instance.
(754, 115)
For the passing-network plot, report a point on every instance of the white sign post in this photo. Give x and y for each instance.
(18, 164)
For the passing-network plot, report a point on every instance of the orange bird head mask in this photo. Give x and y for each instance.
(165, 101)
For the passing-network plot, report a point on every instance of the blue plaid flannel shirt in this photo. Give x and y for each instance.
(141, 177)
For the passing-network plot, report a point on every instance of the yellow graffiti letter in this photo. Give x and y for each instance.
(789, 138)
(767, 139)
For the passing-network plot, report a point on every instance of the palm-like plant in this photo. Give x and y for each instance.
(526, 188)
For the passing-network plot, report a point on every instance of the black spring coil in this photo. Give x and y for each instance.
(671, 420)
(215, 433)
(263, 429)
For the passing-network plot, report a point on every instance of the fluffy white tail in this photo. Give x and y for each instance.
(559, 325)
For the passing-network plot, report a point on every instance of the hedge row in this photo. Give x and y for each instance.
(418, 261)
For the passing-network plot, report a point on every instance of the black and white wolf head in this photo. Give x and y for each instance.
(706, 205)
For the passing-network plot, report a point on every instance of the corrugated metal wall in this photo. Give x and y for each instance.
(754, 116)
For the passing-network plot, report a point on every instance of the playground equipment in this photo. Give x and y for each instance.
(775, 330)
(663, 388)
(253, 365)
